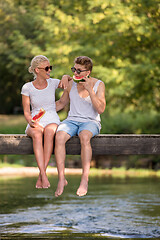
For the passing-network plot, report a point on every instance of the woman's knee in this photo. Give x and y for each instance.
(50, 131)
(36, 134)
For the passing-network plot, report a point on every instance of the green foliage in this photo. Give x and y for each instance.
(16, 161)
(136, 123)
(122, 38)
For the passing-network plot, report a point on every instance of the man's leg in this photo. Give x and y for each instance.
(86, 156)
(60, 155)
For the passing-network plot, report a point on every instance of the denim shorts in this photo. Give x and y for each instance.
(74, 128)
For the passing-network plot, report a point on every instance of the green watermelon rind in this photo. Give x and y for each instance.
(78, 80)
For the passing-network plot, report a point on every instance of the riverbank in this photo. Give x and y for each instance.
(18, 170)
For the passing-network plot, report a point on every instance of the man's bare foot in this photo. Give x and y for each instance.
(83, 188)
(60, 187)
(39, 182)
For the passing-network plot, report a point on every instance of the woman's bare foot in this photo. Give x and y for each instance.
(39, 182)
(60, 187)
(83, 187)
(45, 182)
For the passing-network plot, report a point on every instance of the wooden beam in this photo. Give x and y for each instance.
(103, 144)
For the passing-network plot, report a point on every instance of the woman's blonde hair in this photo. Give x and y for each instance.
(35, 63)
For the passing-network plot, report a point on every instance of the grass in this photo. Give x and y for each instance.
(123, 172)
(16, 124)
(12, 124)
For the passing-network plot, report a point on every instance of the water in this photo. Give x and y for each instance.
(114, 208)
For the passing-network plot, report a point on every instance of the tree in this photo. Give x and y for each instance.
(122, 38)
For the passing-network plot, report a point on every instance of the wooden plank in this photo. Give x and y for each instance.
(15, 144)
(125, 144)
(103, 144)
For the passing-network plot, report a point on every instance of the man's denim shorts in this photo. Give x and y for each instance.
(74, 128)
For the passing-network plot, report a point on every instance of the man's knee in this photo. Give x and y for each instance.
(85, 137)
(60, 138)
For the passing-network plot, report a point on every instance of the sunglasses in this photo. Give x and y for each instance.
(46, 68)
(77, 70)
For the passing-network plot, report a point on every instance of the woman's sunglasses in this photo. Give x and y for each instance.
(46, 68)
(77, 70)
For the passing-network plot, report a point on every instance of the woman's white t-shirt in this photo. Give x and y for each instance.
(45, 99)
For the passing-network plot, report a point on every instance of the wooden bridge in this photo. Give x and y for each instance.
(102, 144)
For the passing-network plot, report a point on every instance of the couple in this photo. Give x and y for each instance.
(87, 102)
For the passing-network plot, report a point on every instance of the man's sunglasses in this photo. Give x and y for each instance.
(77, 70)
(46, 68)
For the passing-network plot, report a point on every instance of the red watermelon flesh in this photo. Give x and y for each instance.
(39, 115)
(78, 79)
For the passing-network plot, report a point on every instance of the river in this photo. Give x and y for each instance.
(114, 208)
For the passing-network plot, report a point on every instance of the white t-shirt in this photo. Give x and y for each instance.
(81, 109)
(45, 99)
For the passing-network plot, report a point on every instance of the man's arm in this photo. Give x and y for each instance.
(63, 101)
(98, 99)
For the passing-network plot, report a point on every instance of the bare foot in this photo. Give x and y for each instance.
(60, 187)
(83, 188)
(45, 182)
(39, 182)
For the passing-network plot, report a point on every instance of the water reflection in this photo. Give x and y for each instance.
(121, 208)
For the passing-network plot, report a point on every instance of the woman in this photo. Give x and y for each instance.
(40, 93)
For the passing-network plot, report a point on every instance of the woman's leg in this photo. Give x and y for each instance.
(37, 136)
(60, 155)
(49, 133)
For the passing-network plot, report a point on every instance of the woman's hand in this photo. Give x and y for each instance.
(64, 81)
(33, 123)
(27, 112)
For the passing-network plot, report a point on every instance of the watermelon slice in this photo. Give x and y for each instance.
(39, 115)
(78, 79)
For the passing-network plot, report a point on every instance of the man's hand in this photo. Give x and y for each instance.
(87, 84)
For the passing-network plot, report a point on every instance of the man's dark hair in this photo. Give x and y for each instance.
(86, 61)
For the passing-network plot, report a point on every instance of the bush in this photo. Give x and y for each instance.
(133, 123)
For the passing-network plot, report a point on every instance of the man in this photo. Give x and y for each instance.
(87, 102)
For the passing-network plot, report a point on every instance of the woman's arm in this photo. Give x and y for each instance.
(64, 83)
(27, 112)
